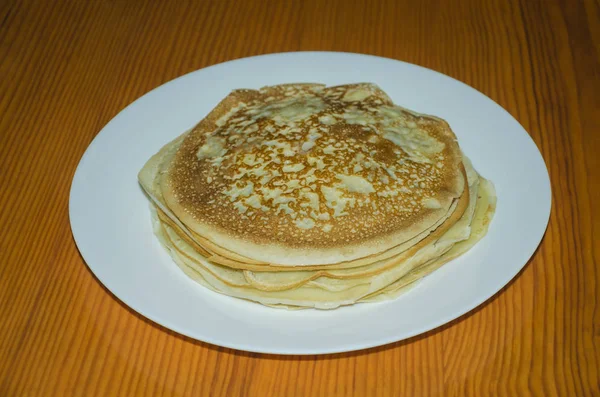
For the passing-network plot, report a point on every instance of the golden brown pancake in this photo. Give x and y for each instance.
(309, 175)
(302, 195)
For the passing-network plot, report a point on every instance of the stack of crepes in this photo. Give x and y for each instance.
(301, 195)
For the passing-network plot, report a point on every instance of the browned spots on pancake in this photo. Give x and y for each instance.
(314, 166)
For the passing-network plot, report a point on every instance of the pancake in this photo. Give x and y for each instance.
(307, 175)
(306, 196)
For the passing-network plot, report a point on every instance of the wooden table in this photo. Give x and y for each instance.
(68, 67)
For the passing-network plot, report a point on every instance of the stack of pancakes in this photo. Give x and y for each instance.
(302, 195)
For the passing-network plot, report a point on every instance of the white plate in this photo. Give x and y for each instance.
(110, 216)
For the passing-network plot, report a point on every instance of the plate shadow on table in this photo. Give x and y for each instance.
(330, 356)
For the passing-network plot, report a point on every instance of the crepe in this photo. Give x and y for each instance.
(310, 196)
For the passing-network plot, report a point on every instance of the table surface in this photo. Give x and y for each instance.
(68, 67)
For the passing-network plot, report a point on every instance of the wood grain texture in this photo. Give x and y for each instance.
(68, 67)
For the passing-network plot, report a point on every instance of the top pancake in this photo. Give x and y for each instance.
(308, 175)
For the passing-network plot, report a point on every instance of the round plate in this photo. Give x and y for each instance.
(110, 215)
